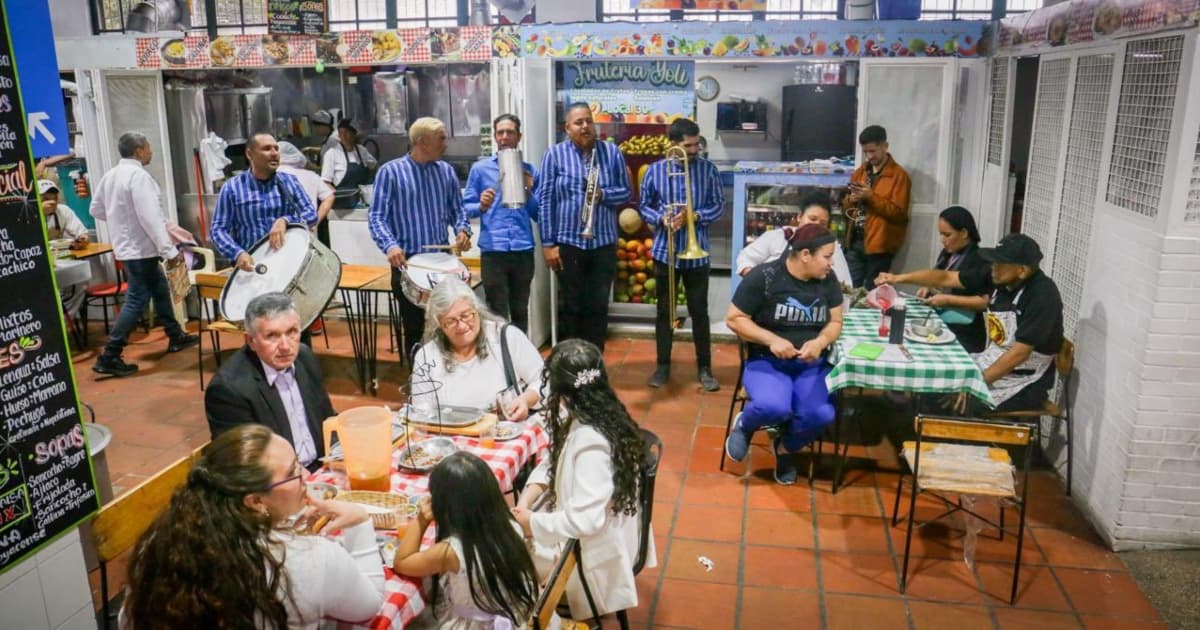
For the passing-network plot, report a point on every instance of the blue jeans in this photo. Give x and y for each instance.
(146, 282)
(787, 392)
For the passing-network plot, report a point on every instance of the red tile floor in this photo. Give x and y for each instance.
(781, 556)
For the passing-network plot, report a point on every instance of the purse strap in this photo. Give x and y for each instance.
(510, 374)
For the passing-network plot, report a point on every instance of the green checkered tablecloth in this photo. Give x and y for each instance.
(935, 369)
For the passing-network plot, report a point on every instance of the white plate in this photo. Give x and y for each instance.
(942, 339)
(318, 489)
(508, 431)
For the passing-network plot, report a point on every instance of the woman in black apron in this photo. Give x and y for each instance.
(346, 193)
(959, 308)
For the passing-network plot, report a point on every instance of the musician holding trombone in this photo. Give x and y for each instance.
(584, 183)
(505, 225)
(416, 199)
(681, 197)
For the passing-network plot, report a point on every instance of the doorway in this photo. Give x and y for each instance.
(1024, 99)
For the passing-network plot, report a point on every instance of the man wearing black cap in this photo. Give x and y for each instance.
(1024, 319)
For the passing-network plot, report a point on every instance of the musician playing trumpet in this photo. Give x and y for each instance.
(665, 206)
(417, 199)
(578, 229)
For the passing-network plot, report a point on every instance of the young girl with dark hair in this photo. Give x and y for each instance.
(223, 556)
(589, 482)
(486, 576)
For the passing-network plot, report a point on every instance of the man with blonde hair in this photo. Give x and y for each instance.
(417, 197)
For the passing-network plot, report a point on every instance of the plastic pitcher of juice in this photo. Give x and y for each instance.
(366, 437)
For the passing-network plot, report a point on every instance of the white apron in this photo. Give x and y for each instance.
(1001, 334)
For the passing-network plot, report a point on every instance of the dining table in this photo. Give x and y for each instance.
(359, 286)
(913, 367)
(403, 600)
(90, 250)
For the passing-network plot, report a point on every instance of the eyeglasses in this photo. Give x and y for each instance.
(466, 319)
(299, 473)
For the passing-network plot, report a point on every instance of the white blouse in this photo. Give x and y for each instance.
(477, 382)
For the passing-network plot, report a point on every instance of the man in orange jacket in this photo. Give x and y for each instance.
(879, 192)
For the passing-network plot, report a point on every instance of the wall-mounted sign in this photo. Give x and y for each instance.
(46, 481)
(703, 5)
(1081, 21)
(655, 92)
(296, 17)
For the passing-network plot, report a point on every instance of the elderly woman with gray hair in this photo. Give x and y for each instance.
(462, 362)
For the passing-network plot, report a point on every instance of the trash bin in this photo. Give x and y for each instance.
(98, 437)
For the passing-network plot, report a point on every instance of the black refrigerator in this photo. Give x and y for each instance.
(818, 121)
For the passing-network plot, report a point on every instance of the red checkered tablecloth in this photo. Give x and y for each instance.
(402, 596)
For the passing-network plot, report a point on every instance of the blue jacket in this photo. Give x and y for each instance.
(501, 229)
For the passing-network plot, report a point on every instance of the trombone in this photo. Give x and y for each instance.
(677, 168)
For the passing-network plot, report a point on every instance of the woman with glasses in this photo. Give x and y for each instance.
(227, 552)
(462, 362)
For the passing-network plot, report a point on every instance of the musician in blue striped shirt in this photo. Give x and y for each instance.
(417, 197)
(662, 186)
(257, 203)
(586, 267)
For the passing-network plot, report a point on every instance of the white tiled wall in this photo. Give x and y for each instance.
(48, 590)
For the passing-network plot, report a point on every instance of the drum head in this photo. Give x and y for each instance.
(424, 271)
(279, 268)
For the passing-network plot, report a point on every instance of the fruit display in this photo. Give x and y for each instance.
(635, 269)
(654, 146)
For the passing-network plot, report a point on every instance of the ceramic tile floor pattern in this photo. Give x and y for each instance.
(781, 556)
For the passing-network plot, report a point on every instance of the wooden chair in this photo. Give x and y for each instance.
(556, 586)
(955, 442)
(208, 289)
(119, 524)
(1060, 409)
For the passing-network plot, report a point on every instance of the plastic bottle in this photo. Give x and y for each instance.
(896, 327)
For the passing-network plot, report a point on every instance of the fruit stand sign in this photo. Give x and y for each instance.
(642, 92)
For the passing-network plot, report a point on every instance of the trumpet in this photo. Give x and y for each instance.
(587, 216)
(677, 168)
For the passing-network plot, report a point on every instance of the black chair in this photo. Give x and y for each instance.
(646, 480)
(947, 434)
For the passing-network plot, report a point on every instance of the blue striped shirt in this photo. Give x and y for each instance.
(247, 208)
(414, 204)
(500, 229)
(560, 195)
(708, 200)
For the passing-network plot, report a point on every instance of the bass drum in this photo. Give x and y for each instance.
(303, 268)
(423, 271)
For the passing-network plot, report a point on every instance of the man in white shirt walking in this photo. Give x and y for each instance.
(128, 199)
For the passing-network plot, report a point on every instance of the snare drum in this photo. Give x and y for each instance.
(303, 268)
(424, 271)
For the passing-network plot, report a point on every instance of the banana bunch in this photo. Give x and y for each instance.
(645, 145)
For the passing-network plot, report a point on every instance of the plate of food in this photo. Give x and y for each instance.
(932, 335)
(1108, 18)
(275, 49)
(508, 430)
(1056, 32)
(175, 52)
(385, 46)
(444, 42)
(222, 52)
(423, 456)
(322, 491)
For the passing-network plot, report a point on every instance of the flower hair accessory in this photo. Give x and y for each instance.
(586, 377)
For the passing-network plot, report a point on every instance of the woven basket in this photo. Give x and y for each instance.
(398, 510)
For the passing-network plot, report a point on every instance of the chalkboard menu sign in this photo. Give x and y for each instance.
(46, 482)
(296, 17)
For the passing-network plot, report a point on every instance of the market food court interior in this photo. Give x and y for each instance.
(634, 313)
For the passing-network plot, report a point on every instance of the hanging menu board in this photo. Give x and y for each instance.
(46, 482)
(296, 17)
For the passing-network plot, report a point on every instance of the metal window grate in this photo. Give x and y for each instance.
(999, 105)
(1046, 149)
(1081, 175)
(1143, 131)
(1192, 211)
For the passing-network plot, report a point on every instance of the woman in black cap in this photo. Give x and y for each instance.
(789, 310)
(959, 308)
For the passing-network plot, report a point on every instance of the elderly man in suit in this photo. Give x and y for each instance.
(274, 381)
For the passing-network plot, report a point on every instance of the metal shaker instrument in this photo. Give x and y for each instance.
(512, 178)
